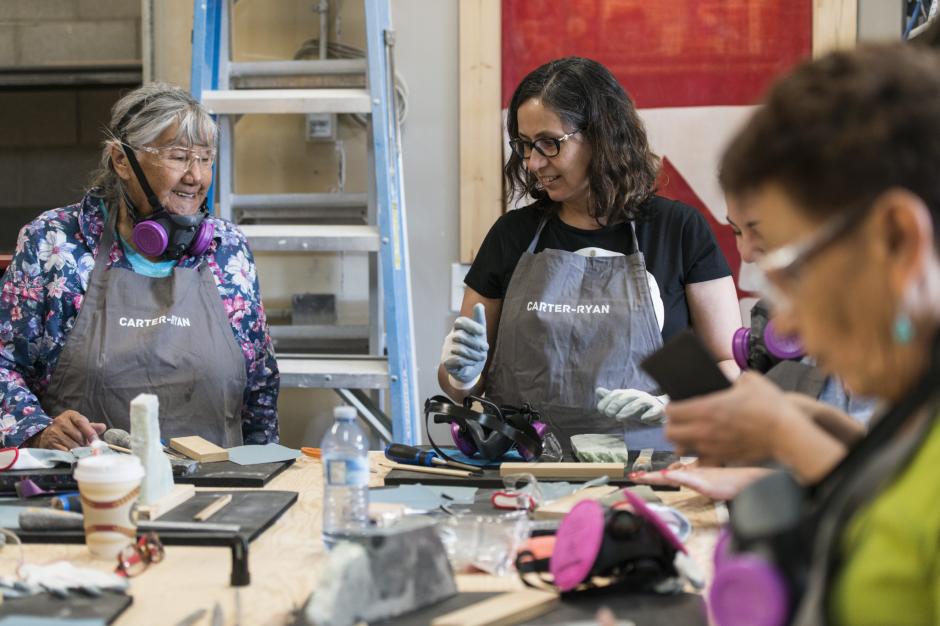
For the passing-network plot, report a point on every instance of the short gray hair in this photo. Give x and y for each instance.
(140, 117)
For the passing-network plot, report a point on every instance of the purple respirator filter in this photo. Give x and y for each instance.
(779, 346)
(746, 589)
(152, 239)
(579, 542)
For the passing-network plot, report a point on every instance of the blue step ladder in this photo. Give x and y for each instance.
(216, 82)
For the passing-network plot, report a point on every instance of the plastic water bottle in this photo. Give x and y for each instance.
(345, 456)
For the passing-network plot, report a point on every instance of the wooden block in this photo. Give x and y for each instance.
(560, 507)
(503, 610)
(195, 447)
(564, 470)
(179, 495)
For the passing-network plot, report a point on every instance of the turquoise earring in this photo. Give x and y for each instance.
(903, 330)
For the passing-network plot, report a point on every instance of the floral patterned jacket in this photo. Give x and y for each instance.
(41, 294)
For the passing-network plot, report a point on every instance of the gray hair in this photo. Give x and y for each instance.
(143, 115)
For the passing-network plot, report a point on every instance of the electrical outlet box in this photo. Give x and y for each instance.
(321, 127)
(457, 273)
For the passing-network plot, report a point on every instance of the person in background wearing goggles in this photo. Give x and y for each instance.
(786, 444)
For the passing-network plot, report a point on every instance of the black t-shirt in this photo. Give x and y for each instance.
(675, 239)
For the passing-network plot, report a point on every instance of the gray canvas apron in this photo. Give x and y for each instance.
(166, 336)
(571, 323)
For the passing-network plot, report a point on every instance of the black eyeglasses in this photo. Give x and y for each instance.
(546, 146)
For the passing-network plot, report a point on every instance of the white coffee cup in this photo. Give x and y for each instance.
(109, 486)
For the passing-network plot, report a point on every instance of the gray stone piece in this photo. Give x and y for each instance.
(599, 448)
(380, 573)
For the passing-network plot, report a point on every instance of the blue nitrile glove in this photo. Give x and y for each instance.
(465, 349)
(624, 404)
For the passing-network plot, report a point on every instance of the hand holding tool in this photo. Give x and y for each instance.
(410, 455)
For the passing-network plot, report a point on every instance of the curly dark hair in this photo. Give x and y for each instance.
(839, 131)
(586, 96)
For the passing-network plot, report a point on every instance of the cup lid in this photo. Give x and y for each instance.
(109, 468)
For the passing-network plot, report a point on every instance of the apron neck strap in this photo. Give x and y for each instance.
(538, 233)
(544, 221)
(110, 227)
(636, 243)
(105, 243)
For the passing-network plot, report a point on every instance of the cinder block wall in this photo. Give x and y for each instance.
(50, 136)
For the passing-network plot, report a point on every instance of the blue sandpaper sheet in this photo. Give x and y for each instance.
(255, 454)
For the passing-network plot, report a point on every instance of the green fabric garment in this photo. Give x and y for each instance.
(890, 551)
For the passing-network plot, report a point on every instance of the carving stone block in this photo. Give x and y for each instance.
(145, 444)
(379, 573)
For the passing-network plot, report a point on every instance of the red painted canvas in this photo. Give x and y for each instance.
(690, 65)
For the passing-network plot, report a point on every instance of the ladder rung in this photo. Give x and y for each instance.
(333, 372)
(340, 215)
(310, 238)
(288, 101)
(319, 331)
(293, 68)
(297, 200)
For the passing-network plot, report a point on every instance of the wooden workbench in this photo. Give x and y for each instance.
(283, 562)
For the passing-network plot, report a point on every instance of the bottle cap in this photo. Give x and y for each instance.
(344, 412)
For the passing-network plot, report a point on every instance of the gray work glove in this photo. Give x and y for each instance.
(624, 404)
(465, 349)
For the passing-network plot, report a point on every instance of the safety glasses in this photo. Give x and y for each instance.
(781, 268)
(180, 158)
(137, 556)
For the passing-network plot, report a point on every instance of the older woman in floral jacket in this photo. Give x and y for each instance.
(137, 289)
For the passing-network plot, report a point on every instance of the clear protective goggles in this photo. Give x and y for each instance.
(181, 159)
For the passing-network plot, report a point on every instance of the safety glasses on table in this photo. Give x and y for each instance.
(546, 146)
(781, 268)
(180, 158)
(135, 557)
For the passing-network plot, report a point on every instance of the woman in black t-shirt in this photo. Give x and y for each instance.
(574, 290)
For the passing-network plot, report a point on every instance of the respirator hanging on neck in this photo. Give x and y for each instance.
(165, 234)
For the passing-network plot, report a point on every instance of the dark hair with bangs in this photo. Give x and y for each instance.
(586, 96)
(839, 131)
